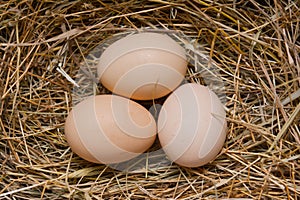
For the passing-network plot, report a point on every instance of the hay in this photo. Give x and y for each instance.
(255, 45)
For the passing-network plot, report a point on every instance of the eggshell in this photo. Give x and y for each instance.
(109, 129)
(143, 66)
(192, 125)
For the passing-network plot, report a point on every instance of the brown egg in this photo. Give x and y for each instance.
(143, 66)
(192, 125)
(109, 129)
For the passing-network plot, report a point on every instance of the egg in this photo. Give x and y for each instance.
(192, 125)
(142, 66)
(109, 129)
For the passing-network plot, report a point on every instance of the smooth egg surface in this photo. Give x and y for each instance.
(109, 129)
(192, 125)
(143, 66)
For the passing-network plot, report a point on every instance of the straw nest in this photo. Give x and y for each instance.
(255, 46)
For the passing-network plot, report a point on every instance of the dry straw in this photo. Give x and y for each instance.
(255, 44)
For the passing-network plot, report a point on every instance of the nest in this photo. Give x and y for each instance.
(255, 47)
